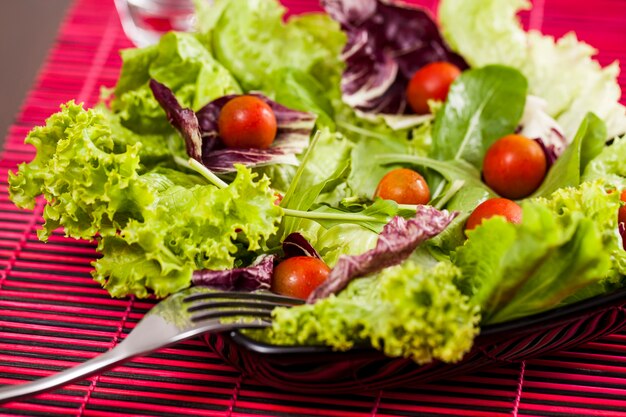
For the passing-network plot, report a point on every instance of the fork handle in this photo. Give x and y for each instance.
(135, 344)
(101, 362)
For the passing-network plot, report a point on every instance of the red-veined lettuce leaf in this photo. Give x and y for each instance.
(399, 238)
(257, 276)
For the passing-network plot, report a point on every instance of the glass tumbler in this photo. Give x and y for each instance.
(144, 21)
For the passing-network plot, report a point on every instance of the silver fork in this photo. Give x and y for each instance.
(179, 317)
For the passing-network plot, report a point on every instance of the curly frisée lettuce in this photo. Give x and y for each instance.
(406, 310)
(154, 228)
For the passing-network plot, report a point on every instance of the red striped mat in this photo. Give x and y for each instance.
(55, 316)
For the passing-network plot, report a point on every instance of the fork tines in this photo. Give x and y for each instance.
(212, 305)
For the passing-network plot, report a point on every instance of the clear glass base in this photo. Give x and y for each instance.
(145, 21)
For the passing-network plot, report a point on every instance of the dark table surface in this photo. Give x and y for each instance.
(27, 31)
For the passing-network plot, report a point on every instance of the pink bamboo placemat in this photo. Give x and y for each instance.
(54, 316)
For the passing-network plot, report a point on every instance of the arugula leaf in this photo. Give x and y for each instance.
(482, 106)
(367, 171)
(568, 168)
(466, 198)
(373, 217)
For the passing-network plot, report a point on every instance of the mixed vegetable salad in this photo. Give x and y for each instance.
(412, 179)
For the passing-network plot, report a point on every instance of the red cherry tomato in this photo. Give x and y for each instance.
(514, 166)
(299, 276)
(621, 218)
(247, 122)
(510, 210)
(404, 186)
(431, 82)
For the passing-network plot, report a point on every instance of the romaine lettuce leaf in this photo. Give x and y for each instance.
(565, 243)
(488, 32)
(568, 168)
(252, 41)
(407, 310)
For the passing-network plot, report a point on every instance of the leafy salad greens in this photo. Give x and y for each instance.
(148, 175)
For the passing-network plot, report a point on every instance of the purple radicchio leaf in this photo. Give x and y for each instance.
(397, 241)
(292, 136)
(622, 232)
(549, 151)
(184, 120)
(257, 276)
(537, 124)
(296, 245)
(387, 44)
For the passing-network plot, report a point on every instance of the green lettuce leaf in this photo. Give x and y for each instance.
(407, 310)
(609, 165)
(252, 41)
(344, 239)
(488, 32)
(565, 243)
(299, 90)
(183, 64)
(90, 186)
(154, 228)
(324, 166)
(188, 228)
(568, 168)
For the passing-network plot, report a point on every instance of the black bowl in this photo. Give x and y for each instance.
(319, 369)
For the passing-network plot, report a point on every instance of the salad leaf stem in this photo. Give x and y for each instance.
(359, 130)
(205, 172)
(442, 167)
(316, 215)
(455, 186)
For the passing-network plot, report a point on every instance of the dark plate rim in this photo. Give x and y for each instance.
(527, 324)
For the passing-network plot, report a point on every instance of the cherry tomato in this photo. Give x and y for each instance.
(510, 210)
(247, 122)
(514, 166)
(404, 186)
(299, 276)
(431, 82)
(621, 218)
